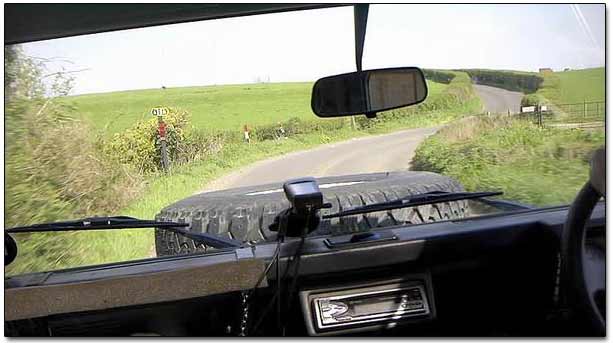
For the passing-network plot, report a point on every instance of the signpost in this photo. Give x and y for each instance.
(160, 112)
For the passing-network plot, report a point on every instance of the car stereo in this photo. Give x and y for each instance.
(366, 307)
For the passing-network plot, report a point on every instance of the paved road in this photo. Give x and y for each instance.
(497, 100)
(390, 152)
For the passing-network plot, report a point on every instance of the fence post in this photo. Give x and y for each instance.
(539, 113)
(160, 112)
(163, 149)
(584, 108)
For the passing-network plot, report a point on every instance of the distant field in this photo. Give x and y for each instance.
(212, 107)
(579, 85)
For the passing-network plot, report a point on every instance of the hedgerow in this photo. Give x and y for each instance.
(525, 82)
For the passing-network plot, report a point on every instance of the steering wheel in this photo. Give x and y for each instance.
(583, 265)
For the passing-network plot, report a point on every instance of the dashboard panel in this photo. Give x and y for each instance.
(367, 306)
(494, 275)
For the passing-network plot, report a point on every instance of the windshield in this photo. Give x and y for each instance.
(157, 122)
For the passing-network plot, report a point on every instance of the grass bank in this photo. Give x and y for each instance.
(569, 87)
(538, 166)
(575, 86)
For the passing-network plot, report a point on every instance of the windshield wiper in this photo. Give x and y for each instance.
(413, 200)
(124, 222)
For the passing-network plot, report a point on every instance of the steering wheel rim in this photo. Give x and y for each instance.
(581, 286)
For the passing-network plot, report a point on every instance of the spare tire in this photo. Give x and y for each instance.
(245, 213)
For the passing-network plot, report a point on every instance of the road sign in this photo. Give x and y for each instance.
(159, 111)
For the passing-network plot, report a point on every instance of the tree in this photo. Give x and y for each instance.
(23, 78)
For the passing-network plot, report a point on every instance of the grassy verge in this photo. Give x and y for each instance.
(538, 166)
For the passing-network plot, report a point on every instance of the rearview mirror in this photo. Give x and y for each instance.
(368, 92)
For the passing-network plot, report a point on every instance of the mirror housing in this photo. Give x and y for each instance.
(368, 92)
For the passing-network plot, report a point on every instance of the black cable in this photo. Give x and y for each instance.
(278, 295)
(297, 260)
(275, 259)
(276, 299)
(264, 312)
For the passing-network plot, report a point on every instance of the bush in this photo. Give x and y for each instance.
(533, 100)
(56, 171)
(139, 146)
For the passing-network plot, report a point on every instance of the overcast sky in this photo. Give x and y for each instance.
(306, 45)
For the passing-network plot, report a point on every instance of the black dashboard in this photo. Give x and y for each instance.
(494, 275)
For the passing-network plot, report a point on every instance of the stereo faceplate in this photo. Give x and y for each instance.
(363, 306)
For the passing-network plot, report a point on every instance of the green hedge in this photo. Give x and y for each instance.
(56, 171)
(510, 80)
(139, 146)
(533, 100)
(295, 126)
(440, 76)
(455, 97)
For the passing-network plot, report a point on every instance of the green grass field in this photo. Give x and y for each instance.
(579, 85)
(211, 107)
(574, 86)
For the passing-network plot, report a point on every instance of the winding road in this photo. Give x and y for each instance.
(389, 152)
(498, 100)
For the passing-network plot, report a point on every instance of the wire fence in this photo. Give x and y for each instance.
(583, 114)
